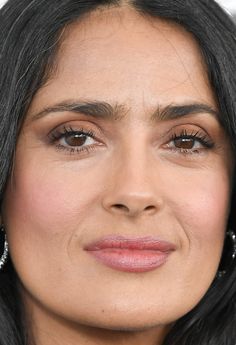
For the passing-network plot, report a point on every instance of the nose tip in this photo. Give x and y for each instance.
(133, 206)
(132, 189)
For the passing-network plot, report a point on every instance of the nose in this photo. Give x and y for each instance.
(132, 189)
(133, 205)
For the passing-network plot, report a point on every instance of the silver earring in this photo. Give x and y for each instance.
(4, 256)
(232, 237)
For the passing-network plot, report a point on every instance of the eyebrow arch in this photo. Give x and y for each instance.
(173, 111)
(105, 110)
(93, 109)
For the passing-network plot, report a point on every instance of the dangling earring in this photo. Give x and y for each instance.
(4, 256)
(230, 235)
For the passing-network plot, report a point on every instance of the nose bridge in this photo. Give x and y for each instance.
(134, 173)
(132, 183)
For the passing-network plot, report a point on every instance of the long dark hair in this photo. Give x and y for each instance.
(30, 32)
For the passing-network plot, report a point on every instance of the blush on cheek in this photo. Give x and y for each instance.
(48, 202)
(43, 220)
(40, 205)
(204, 209)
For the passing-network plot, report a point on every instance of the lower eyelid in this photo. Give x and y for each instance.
(75, 150)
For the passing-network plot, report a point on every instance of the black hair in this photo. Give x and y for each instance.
(30, 32)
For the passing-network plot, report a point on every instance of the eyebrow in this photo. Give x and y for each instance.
(173, 111)
(106, 111)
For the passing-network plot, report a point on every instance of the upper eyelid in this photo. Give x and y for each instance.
(82, 130)
(195, 136)
(190, 133)
(192, 127)
(65, 128)
(97, 131)
(93, 129)
(194, 133)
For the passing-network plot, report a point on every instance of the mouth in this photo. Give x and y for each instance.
(137, 255)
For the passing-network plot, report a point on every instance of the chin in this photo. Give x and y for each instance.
(125, 325)
(133, 328)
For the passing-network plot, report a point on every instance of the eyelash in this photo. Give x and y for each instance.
(58, 134)
(196, 136)
(66, 132)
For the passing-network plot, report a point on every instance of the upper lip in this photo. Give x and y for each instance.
(139, 243)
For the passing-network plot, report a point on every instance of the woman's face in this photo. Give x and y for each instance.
(151, 174)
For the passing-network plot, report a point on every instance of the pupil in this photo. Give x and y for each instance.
(184, 143)
(75, 139)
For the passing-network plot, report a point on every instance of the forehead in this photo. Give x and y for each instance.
(120, 56)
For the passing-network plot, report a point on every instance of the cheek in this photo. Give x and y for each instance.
(36, 201)
(206, 206)
(201, 207)
(48, 205)
(50, 197)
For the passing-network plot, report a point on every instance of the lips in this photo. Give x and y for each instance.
(131, 254)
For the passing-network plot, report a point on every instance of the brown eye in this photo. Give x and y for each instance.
(184, 143)
(76, 139)
(193, 142)
(73, 139)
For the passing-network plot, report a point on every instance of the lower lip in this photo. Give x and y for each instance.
(130, 260)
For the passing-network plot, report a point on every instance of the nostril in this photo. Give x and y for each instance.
(121, 207)
(126, 209)
(150, 208)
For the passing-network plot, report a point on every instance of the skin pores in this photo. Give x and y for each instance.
(137, 175)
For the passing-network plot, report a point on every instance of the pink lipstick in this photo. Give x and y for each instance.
(141, 254)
